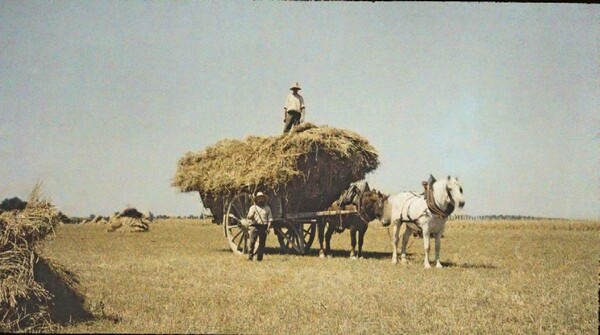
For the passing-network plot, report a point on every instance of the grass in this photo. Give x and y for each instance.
(500, 277)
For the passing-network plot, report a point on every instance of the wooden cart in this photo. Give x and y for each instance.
(295, 231)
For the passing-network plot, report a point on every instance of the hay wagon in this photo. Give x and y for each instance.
(303, 172)
(295, 231)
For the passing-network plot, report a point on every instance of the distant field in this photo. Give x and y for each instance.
(517, 277)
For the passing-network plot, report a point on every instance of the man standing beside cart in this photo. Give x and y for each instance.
(261, 218)
(293, 111)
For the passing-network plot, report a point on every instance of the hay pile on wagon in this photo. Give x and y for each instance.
(307, 168)
(33, 291)
(130, 219)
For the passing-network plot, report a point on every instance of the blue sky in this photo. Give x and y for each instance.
(98, 100)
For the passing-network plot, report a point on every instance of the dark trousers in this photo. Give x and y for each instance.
(260, 232)
(292, 118)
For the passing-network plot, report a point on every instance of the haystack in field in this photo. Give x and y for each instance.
(33, 291)
(129, 220)
(100, 220)
(63, 219)
(307, 168)
(96, 220)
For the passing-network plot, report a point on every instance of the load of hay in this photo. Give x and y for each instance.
(130, 220)
(29, 283)
(307, 169)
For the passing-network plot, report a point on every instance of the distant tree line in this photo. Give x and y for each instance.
(197, 217)
(77, 220)
(498, 217)
(12, 204)
(18, 204)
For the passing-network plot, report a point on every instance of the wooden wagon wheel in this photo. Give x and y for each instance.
(309, 231)
(290, 236)
(235, 223)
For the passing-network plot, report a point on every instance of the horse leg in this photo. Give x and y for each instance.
(395, 232)
(353, 242)
(321, 232)
(328, 234)
(405, 237)
(438, 239)
(426, 238)
(361, 238)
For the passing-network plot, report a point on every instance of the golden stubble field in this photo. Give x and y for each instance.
(523, 277)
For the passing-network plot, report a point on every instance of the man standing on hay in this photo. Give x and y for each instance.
(261, 218)
(293, 111)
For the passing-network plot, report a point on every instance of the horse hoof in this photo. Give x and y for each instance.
(439, 265)
(353, 258)
(394, 261)
(403, 261)
(427, 266)
(321, 255)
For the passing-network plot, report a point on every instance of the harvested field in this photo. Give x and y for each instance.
(519, 277)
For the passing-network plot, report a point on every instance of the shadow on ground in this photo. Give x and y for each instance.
(338, 253)
(67, 304)
(468, 265)
(342, 253)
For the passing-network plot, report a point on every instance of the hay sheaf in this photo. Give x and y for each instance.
(130, 220)
(27, 301)
(312, 163)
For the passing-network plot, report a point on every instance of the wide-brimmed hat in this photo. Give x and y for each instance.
(261, 195)
(295, 86)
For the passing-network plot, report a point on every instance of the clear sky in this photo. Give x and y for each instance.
(99, 99)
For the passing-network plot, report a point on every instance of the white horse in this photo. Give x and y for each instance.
(426, 213)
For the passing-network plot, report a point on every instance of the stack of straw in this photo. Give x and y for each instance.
(25, 302)
(129, 220)
(96, 220)
(64, 219)
(308, 167)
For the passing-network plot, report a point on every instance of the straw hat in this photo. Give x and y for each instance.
(260, 194)
(295, 86)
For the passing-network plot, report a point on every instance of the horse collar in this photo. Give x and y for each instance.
(432, 206)
(359, 209)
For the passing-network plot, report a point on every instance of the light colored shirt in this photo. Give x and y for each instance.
(260, 215)
(295, 102)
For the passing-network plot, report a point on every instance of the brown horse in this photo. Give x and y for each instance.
(365, 205)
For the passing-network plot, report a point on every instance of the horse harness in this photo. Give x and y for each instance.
(359, 209)
(353, 196)
(406, 209)
(431, 205)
